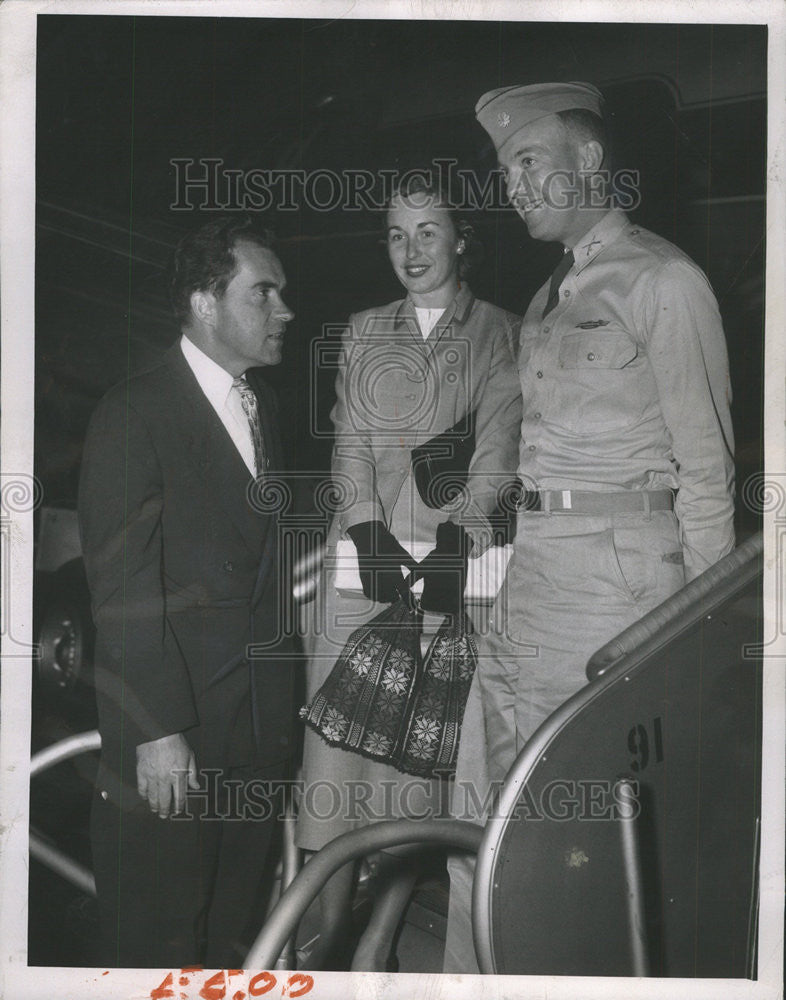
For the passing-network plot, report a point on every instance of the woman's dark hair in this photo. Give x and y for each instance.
(204, 260)
(417, 185)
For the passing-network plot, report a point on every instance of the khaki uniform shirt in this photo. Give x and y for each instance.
(396, 390)
(626, 384)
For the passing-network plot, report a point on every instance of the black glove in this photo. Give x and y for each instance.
(380, 558)
(444, 570)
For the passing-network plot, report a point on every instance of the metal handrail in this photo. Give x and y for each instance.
(50, 856)
(65, 749)
(54, 859)
(314, 875)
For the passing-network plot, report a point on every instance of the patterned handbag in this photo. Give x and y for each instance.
(433, 727)
(385, 701)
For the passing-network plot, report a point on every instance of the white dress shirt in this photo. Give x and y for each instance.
(216, 383)
(427, 319)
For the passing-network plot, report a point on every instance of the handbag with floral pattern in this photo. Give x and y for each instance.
(386, 701)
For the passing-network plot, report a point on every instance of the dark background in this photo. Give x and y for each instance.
(120, 97)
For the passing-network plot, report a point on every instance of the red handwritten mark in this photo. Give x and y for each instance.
(215, 988)
(261, 984)
(298, 985)
(105, 973)
(164, 991)
(240, 995)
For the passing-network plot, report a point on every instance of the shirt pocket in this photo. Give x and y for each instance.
(601, 384)
(609, 349)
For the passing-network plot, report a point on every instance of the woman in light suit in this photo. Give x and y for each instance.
(411, 369)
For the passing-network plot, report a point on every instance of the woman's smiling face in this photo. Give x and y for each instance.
(423, 248)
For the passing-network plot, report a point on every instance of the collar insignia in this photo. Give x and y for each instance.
(588, 246)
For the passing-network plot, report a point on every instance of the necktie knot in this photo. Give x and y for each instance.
(250, 406)
(242, 386)
(556, 280)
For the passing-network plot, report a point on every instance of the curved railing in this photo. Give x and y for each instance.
(41, 849)
(286, 915)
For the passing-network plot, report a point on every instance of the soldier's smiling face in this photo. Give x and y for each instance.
(543, 166)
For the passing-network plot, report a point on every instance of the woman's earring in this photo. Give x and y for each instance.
(460, 247)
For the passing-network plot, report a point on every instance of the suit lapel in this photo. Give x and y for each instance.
(454, 315)
(457, 311)
(405, 325)
(223, 471)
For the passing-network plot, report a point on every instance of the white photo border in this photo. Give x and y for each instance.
(17, 218)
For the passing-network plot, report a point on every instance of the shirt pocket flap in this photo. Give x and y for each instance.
(597, 349)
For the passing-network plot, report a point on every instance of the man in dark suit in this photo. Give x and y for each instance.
(194, 676)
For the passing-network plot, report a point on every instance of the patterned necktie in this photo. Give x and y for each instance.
(556, 280)
(248, 401)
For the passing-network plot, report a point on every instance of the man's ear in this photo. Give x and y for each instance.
(203, 306)
(592, 155)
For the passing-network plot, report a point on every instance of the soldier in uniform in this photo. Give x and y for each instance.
(626, 451)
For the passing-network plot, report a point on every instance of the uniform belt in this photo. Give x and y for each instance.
(595, 501)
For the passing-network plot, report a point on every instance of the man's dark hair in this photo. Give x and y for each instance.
(204, 260)
(586, 126)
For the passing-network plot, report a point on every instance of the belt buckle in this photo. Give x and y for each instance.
(522, 503)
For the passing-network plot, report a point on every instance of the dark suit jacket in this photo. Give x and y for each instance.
(183, 574)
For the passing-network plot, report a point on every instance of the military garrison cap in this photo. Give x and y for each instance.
(503, 112)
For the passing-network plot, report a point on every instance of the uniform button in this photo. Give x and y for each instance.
(567, 293)
(532, 447)
(104, 794)
(634, 232)
(547, 329)
(590, 356)
(539, 374)
(537, 416)
(228, 567)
